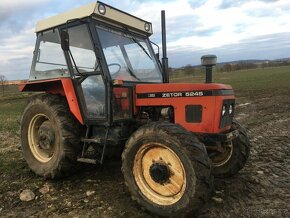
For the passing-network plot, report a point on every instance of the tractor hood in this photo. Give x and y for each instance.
(197, 107)
(175, 90)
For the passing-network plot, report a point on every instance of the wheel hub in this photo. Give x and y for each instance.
(45, 136)
(159, 172)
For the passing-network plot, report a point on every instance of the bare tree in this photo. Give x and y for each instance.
(2, 82)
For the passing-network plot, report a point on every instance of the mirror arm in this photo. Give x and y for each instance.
(157, 48)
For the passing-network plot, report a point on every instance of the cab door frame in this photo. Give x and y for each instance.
(77, 80)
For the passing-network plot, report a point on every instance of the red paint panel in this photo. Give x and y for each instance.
(122, 98)
(63, 86)
(72, 99)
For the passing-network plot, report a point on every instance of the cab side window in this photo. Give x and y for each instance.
(82, 49)
(49, 57)
(94, 94)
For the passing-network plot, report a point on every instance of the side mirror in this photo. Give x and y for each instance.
(64, 37)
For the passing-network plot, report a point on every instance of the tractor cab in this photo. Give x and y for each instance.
(98, 48)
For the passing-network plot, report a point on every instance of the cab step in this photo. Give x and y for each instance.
(95, 140)
(87, 160)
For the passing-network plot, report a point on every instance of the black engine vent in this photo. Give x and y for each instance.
(193, 113)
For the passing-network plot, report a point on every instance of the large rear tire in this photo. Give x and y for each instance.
(167, 170)
(235, 156)
(50, 136)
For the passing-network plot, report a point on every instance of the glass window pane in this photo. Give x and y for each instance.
(81, 48)
(94, 93)
(50, 57)
(141, 61)
(129, 58)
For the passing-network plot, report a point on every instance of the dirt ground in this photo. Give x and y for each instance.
(261, 189)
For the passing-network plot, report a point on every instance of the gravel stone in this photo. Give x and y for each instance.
(27, 195)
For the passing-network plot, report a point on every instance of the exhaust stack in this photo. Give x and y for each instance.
(164, 49)
(208, 61)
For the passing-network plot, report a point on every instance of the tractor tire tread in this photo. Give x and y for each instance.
(194, 149)
(70, 129)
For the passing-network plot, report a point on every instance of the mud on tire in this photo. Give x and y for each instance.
(166, 169)
(50, 136)
(238, 157)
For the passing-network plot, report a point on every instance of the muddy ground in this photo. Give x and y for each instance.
(261, 189)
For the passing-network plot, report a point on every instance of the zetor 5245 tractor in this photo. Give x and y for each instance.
(107, 93)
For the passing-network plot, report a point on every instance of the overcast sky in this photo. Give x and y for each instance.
(231, 29)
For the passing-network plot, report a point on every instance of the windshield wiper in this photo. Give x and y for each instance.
(132, 74)
(141, 46)
(136, 41)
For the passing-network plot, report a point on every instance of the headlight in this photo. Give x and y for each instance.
(102, 9)
(231, 109)
(224, 110)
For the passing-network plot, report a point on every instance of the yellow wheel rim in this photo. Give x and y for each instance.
(154, 162)
(41, 138)
(222, 158)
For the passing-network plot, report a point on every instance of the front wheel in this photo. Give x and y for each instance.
(234, 156)
(166, 169)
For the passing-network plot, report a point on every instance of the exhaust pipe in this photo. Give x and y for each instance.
(208, 61)
(164, 49)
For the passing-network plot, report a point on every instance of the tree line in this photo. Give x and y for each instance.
(230, 67)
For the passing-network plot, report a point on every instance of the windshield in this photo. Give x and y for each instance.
(129, 58)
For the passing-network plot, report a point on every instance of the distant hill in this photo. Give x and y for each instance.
(252, 61)
(255, 61)
(236, 65)
(248, 61)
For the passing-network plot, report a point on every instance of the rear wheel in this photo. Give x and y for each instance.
(233, 156)
(50, 136)
(166, 169)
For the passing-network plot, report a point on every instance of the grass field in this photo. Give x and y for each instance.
(12, 103)
(248, 81)
(10, 114)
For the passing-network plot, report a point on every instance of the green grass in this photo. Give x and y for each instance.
(12, 103)
(11, 92)
(10, 113)
(261, 79)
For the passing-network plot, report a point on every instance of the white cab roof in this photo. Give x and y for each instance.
(112, 15)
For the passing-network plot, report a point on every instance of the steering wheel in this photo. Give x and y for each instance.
(114, 74)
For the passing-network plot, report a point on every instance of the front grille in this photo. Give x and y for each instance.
(227, 117)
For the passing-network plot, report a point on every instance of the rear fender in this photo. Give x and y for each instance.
(62, 87)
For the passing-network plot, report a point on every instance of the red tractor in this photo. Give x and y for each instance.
(105, 93)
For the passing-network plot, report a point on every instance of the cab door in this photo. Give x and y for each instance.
(88, 75)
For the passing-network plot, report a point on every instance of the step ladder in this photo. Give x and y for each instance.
(102, 142)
